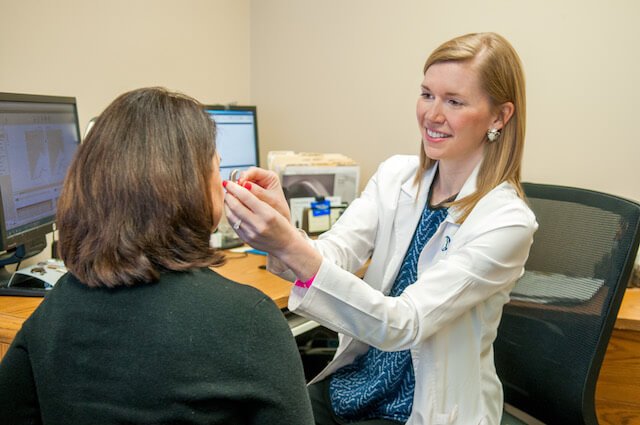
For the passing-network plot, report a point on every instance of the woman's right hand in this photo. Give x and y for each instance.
(267, 188)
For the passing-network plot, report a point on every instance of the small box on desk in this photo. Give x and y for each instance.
(35, 280)
(316, 221)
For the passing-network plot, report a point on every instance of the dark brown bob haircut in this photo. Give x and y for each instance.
(137, 198)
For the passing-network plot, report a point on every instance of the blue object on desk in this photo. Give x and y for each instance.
(321, 208)
(255, 251)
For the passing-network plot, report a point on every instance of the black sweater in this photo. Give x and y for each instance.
(193, 348)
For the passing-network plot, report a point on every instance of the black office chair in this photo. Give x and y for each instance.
(554, 333)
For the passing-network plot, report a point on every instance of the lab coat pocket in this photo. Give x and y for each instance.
(441, 414)
(446, 418)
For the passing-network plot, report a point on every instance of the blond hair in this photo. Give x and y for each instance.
(502, 79)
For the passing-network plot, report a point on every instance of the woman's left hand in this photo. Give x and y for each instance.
(256, 222)
(265, 185)
(261, 226)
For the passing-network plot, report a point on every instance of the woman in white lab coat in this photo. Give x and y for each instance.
(447, 234)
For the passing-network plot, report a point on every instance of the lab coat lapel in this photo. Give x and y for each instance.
(410, 206)
(468, 188)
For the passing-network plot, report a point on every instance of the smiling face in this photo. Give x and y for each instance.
(454, 114)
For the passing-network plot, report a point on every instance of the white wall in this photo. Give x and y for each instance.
(344, 76)
(95, 49)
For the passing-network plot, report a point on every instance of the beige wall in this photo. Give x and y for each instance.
(96, 49)
(343, 76)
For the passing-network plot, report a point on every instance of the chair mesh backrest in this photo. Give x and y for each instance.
(554, 332)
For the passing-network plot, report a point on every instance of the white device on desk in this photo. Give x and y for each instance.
(224, 237)
(41, 276)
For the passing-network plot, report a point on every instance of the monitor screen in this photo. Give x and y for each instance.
(237, 137)
(38, 138)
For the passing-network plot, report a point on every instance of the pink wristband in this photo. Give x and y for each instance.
(306, 284)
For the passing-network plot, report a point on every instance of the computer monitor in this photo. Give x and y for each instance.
(237, 137)
(38, 138)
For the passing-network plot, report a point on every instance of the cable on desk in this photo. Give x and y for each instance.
(235, 257)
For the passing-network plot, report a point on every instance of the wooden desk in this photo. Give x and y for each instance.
(243, 268)
(618, 388)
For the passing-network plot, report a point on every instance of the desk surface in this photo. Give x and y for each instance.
(617, 392)
(629, 314)
(242, 268)
(245, 268)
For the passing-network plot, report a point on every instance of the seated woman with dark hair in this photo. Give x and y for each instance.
(141, 330)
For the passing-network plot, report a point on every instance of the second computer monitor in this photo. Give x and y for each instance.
(237, 137)
(38, 139)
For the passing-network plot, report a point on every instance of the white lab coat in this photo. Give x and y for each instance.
(449, 317)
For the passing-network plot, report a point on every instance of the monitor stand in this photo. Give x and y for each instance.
(5, 277)
(9, 257)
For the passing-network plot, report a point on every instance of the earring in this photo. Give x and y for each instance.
(493, 134)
